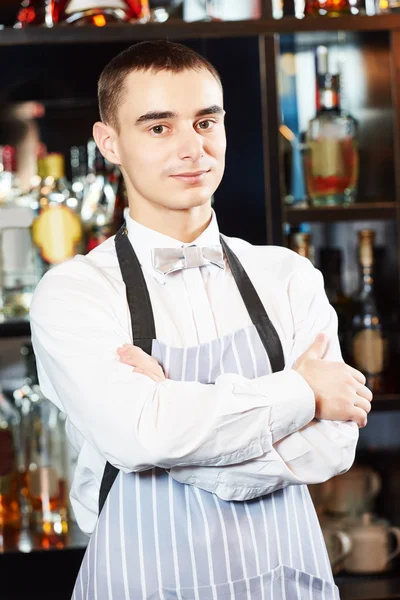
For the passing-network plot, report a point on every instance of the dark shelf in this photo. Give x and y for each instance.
(384, 586)
(360, 211)
(384, 402)
(176, 29)
(17, 328)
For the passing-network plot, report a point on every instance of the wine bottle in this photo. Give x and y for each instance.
(331, 152)
(369, 344)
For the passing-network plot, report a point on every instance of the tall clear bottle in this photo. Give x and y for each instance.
(369, 342)
(331, 154)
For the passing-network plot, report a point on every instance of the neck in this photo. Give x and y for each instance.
(184, 225)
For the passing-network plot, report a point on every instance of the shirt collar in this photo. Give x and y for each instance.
(144, 239)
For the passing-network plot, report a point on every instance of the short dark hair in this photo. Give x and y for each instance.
(159, 55)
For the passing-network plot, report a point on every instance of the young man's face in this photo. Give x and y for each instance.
(171, 142)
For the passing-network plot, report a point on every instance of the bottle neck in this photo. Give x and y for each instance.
(367, 280)
(328, 100)
(328, 96)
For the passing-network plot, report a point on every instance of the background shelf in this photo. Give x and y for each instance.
(15, 328)
(360, 211)
(177, 29)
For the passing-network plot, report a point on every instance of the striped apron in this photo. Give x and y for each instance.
(158, 539)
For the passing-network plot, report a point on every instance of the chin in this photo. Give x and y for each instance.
(191, 201)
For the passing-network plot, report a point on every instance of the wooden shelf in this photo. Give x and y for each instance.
(385, 402)
(17, 328)
(360, 211)
(177, 29)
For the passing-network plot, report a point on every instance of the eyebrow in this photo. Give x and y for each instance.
(156, 115)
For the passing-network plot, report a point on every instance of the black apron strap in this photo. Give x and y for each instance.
(256, 310)
(142, 319)
(143, 326)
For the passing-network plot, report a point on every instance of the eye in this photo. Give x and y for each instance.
(207, 124)
(158, 129)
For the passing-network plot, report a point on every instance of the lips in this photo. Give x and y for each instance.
(194, 174)
(192, 178)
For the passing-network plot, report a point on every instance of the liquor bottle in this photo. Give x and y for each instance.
(369, 343)
(80, 12)
(301, 242)
(121, 204)
(330, 262)
(57, 230)
(331, 152)
(98, 204)
(17, 255)
(330, 8)
(79, 172)
(46, 456)
(161, 10)
(10, 515)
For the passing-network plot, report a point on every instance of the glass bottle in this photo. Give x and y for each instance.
(330, 8)
(10, 514)
(331, 152)
(369, 344)
(80, 12)
(18, 277)
(301, 242)
(161, 10)
(330, 262)
(45, 457)
(79, 172)
(57, 230)
(98, 204)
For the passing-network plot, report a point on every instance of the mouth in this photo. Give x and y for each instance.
(195, 177)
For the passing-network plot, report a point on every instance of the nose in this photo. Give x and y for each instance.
(190, 145)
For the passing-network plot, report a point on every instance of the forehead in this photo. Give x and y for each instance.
(184, 93)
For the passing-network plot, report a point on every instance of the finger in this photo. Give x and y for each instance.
(157, 371)
(154, 376)
(364, 392)
(360, 402)
(147, 373)
(358, 375)
(360, 417)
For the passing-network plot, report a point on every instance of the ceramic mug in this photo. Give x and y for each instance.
(370, 540)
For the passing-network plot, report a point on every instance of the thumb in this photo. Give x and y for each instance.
(318, 347)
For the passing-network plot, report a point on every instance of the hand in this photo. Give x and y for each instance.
(340, 391)
(143, 363)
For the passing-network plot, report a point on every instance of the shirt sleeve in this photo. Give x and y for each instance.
(316, 452)
(132, 421)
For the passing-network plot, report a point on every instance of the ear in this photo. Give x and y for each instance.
(106, 140)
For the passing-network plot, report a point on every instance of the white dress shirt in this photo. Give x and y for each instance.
(267, 435)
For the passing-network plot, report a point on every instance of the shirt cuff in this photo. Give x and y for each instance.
(292, 402)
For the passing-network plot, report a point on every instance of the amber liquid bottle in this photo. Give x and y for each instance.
(329, 8)
(369, 344)
(48, 13)
(10, 514)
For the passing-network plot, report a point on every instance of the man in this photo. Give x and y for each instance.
(199, 475)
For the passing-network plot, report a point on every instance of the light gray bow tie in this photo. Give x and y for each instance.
(168, 260)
